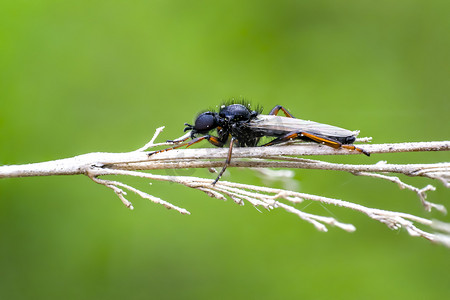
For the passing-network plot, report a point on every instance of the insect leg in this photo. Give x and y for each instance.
(277, 108)
(352, 147)
(332, 142)
(212, 139)
(178, 141)
(283, 138)
(316, 138)
(227, 161)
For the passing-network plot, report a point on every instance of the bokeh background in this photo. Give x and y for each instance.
(86, 76)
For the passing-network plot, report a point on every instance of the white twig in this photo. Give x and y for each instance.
(96, 165)
(421, 193)
(114, 185)
(151, 142)
(267, 198)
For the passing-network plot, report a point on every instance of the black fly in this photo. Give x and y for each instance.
(246, 127)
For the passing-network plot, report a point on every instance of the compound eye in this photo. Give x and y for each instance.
(205, 122)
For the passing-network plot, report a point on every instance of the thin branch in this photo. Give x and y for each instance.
(201, 158)
(151, 142)
(114, 185)
(267, 198)
(421, 193)
(96, 165)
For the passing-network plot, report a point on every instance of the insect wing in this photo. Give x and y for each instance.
(279, 125)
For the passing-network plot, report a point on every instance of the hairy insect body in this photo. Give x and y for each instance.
(234, 120)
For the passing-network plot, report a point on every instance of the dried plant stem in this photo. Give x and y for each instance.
(96, 165)
(268, 198)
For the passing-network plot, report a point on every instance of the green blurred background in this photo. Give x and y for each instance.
(86, 76)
